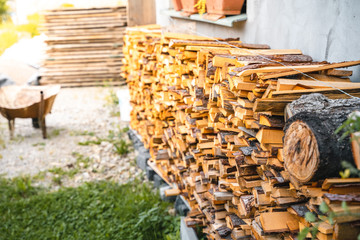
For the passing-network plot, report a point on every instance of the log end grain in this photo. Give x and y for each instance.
(301, 153)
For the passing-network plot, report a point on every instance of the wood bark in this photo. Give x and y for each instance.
(311, 149)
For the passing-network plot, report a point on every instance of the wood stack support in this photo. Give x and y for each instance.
(212, 117)
(84, 46)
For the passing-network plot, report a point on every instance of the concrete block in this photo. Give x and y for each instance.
(135, 139)
(141, 162)
(180, 207)
(162, 194)
(186, 233)
(158, 181)
(142, 158)
(150, 173)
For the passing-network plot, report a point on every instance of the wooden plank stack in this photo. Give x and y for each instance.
(212, 116)
(84, 46)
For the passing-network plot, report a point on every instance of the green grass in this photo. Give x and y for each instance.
(59, 173)
(39, 144)
(115, 113)
(116, 138)
(91, 142)
(16, 189)
(121, 147)
(2, 143)
(82, 133)
(55, 133)
(39, 176)
(102, 210)
(81, 160)
(111, 99)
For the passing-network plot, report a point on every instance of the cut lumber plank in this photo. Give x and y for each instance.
(330, 93)
(323, 67)
(330, 182)
(289, 84)
(84, 45)
(270, 136)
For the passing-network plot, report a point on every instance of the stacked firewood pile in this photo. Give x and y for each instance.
(212, 113)
(84, 46)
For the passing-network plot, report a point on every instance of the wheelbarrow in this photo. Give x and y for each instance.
(27, 102)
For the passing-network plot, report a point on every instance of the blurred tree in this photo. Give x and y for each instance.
(4, 11)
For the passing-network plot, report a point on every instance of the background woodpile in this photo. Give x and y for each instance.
(212, 116)
(84, 46)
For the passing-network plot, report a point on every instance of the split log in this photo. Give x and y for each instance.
(312, 150)
(234, 221)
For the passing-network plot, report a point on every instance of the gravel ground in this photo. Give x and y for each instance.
(78, 115)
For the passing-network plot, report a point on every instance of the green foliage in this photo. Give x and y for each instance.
(10, 33)
(55, 133)
(39, 176)
(82, 133)
(302, 234)
(310, 217)
(100, 210)
(112, 99)
(57, 171)
(116, 138)
(125, 130)
(57, 180)
(328, 216)
(350, 170)
(345, 207)
(91, 142)
(351, 125)
(81, 160)
(345, 173)
(122, 147)
(88, 133)
(2, 143)
(7, 38)
(201, 6)
(115, 113)
(39, 144)
(324, 208)
(314, 231)
(15, 189)
(4, 11)
(32, 26)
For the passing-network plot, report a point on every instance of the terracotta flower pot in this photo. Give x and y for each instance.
(188, 6)
(177, 5)
(224, 7)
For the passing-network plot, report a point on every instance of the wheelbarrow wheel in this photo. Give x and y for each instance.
(35, 123)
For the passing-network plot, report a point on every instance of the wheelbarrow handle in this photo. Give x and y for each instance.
(41, 114)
